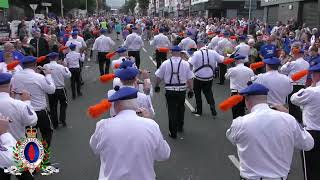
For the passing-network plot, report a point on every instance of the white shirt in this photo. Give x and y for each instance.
(265, 140)
(309, 100)
(164, 72)
(133, 42)
(197, 60)
(160, 41)
(6, 157)
(243, 49)
(20, 112)
(128, 145)
(103, 44)
(223, 46)
(3, 68)
(80, 40)
(187, 43)
(239, 76)
(279, 86)
(295, 66)
(73, 58)
(58, 73)
(214, 42)
(75, 42)
(38, 86)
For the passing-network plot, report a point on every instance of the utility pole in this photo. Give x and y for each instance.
(61, 6)
(249, 19)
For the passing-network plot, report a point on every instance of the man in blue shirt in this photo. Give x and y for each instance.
(268, 50)
(288, 42)
(9, 47)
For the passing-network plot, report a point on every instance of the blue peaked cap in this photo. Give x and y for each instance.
(124, 93)
(254, 89)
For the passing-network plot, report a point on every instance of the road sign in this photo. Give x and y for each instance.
(33, 6)
(46, 4)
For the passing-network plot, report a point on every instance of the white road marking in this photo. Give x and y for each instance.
(186, 101)
(189, 105)
(234, 161)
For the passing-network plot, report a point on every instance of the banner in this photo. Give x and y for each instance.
(4, 4)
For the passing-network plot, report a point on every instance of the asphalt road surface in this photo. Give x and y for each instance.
(202, 153)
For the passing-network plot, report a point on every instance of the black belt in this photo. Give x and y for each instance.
(170, 85)
(241, 178)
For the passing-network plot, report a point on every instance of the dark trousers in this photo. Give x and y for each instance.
(294, 110)
(222, 72)
(312, 157)
(160, 57)
(44, 124)
(175, 104)
(136, 55)
(60, 96)
(239, 109)
(24, 176)
(104, 63)
(205, 87)
(75, 81)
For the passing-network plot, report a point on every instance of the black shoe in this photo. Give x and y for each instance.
(64, 124)
(55, 126)
(80, 94)
(73, 97)
(213, 112)
(82, 83)
(220, 83)
(196, 113)
(172, 136)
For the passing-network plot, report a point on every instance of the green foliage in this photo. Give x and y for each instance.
(129, 5)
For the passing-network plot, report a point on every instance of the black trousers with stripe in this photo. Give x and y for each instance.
(24, 176)
(75, 81)
(136, 55)
(60, 96)
(175, 104)
(44, 124)
(205, 87)
(312, 157)
(222, 72)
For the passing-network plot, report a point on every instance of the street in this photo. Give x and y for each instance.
(202, 152)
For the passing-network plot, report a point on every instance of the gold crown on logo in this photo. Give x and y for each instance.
(31, 132)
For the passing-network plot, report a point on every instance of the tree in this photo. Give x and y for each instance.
(128, 6)
(144, 5)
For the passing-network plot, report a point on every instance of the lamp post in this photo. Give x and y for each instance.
(249, 19)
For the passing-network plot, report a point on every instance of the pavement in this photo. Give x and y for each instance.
(202, 152)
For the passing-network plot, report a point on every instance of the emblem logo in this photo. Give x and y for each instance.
(31, 154)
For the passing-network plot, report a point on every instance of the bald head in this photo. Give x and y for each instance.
(8, 47)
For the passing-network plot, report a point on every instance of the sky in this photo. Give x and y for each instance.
(115, 3)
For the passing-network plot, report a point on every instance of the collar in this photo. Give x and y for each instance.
(53, 62)
(4, 94)
(28, 70)
(259, 107)
(240, 64)
(127, 112)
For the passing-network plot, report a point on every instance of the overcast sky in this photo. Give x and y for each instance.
(115, 3)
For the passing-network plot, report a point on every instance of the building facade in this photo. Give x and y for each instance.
(301, 11)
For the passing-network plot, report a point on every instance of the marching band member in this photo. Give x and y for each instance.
(160, 41)
(114, 137)
(177, 76)
(258, 134)
(134, 43)
(59, 73)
